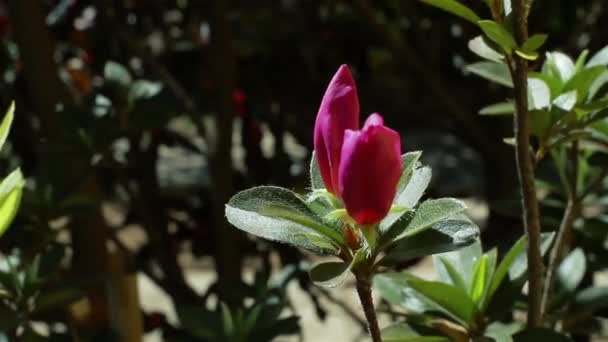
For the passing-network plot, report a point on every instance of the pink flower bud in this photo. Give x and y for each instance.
(338, 112)
(370, 168)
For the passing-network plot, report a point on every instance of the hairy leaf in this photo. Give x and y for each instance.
(444, 236)
(280, 215)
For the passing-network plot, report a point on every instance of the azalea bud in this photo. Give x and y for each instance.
(338, 112)
(370, 168)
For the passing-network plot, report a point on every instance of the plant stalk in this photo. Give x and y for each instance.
(364, 289)
(525, 166)
(564, 234)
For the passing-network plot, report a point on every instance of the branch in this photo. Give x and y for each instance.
(364, 290)
(223, 68)
(525, 167)
(562, 241)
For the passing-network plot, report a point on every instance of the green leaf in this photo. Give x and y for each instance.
(560, 65)
(580, 61)
(503, 268)
(566, 101)
(497, 33)
(7, 121)
(10, 198)
(479, 46)
(539, 94)
(408, 162)
(144, 89)
(502, 108)
(519, 266)
(447, 298)
(495, 72)
(572, 270)
(597, 85)
(554, 83)
(583, 80)
(454, 276)
(456, 8)
(396, 229)
(316, 180)
(531, 56)
(502, 332)
(117, 73)
(404, 333)
(464, 260)
(329, 274)
(54, 299)
(416, 185)
(409, 196)
(227, 320)
(600, 58)
(540, 334)
(333, 273)
(590, 300)
(534, 43)
(199, 322)
(431, 212)
(507, 6)
(278, 214)
(442, 237)
(480, 278)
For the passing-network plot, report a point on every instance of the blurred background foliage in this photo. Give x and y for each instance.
(137, 120)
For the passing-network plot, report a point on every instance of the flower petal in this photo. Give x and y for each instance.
(369, 170)
(338, 112)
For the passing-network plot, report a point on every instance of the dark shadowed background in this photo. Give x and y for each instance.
(137, 120)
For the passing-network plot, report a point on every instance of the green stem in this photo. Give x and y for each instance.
(364, 289)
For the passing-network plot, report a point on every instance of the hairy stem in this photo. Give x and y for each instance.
(564, 234)
(364, 289)
(525, 166)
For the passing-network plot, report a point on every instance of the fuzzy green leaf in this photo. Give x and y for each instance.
(409, 196)
(316, 181)
(431, 212)
(442, 237)
(278, 214)
(329, 274)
